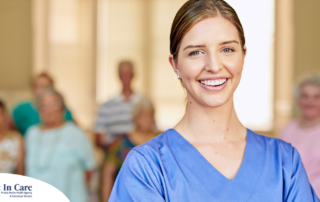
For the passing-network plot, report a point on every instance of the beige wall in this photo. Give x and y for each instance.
(165, 90)
(284, 58)
(16, 46)
(307, 37)
(64, 46)
(15, 50)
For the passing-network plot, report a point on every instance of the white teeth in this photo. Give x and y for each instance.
(213, 82)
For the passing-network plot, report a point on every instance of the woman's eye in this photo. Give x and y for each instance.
(227, 50)
(194, 53)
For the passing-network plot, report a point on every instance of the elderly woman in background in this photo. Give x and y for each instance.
(143, 117)
(304, 133)
(58, 152)
(11, 146)
(26, 113)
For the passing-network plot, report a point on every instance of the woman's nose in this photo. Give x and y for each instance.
(212, 63)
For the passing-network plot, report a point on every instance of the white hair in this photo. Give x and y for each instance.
(313, 80)
(51, 91)
(143, 103)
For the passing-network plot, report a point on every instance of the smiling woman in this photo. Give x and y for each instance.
(209, 155)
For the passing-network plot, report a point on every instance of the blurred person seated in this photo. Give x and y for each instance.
(143, 117)
(115, 116)
(57, 151)
(11, 147)
(304, 133)
(26, 113)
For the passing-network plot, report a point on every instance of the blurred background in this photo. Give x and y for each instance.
(80, 42)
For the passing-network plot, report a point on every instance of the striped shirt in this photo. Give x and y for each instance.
(115, 116)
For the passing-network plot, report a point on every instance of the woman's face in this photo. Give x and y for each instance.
(309, 101)
(210, 62)
(51, 109)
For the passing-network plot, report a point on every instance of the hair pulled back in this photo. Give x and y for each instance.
(194, 11)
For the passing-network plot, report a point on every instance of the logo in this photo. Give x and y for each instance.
(17, 191)
(17, 188)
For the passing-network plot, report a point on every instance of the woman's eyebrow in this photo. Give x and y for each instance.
(194, 46)
(202, 46)
(227, 42)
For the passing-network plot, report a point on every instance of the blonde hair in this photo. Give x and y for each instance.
(194, 11)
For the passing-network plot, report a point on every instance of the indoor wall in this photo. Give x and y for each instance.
(80, 43)
(15, 50)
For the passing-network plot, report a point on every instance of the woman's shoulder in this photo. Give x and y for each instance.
(71, 131)
(157, 143)
(71, 128)
(155, 149)
(34, 129)
(272, 146)
(269, 141)
(148, 156)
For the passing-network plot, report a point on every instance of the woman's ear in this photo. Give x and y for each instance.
(174, 65)
(245, 50)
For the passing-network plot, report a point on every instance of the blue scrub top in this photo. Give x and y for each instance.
(169, 168)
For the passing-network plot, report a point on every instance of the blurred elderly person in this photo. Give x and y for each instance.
(115, 116)
(304, 133)
(143, 117)
(11, 147)
(58, 152)
(26, 113)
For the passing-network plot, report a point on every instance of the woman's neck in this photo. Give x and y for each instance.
(309, 123)
(203, 124)
(48, 126)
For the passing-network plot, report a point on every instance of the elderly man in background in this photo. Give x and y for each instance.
(26, 113)
(304, 133)
(115, 116)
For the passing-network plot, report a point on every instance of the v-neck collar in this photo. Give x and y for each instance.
(194, 149)
(250, 169)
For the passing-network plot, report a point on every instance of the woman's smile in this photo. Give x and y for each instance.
(214, 84)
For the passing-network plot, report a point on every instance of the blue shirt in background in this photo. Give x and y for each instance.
(169, 168)
(26, 114)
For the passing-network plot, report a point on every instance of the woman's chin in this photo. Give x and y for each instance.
(311, 116)
(214, 103)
